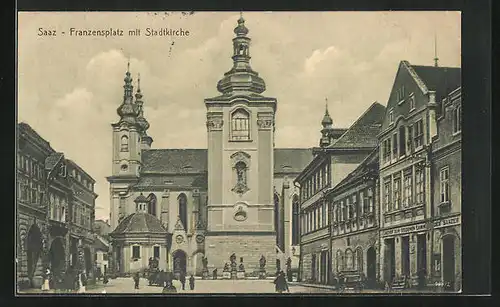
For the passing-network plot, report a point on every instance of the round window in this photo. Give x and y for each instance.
(124, 167)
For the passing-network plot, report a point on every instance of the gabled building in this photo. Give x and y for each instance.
(354, 209)
(446, 265)
(341, 152)
(408, 128)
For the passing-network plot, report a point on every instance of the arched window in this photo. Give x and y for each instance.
(349, 259)
(240, 127)
(276, 212)
(295, 220)
(124, 143)
(152, 204)
(182, 199)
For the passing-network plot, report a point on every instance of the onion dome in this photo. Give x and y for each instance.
(241, 77)
(241, 29)
(327, 120)
(127, 110)
(141, 199)
(141, 121)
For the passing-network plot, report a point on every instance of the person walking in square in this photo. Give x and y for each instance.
(182, 279)
(191, 282)
(136, 281)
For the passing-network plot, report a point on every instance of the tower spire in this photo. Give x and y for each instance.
(127, 108)
(241, 77)
(436, 59)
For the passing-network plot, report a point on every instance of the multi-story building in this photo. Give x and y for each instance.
(82, 217)
(102, 249)
(409, 125)
(446, 265)
(44, 211)
(340, 153)
(354, 205)
(102, 228)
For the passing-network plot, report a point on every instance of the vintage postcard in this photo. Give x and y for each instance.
(239, 152)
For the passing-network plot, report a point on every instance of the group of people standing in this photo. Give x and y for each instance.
(168, 286)
(73, 280)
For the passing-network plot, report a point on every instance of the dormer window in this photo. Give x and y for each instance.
(391, 116)
(62, 170)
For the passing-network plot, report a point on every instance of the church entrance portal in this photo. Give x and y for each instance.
(179, 263)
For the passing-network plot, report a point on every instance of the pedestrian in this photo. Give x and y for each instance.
(191, 282)
(46, 277)
(182, 279)
(105, 279)
(280, 283)
(136, 280)
(215, 273)
(169, 287)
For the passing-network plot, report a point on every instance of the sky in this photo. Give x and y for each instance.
(70, 87)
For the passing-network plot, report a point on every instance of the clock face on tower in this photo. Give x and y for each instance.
(179, 239)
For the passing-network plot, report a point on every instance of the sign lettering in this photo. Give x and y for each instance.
(406, 229)
(447, 222)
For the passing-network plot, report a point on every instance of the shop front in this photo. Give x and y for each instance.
(447, 253)
(404, 254)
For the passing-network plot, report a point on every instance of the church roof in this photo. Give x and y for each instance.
(291, 160)
(363, 132)
(174, 161)
(139, 222)
(194, 161)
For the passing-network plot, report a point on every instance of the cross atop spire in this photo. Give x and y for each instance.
(139, 82)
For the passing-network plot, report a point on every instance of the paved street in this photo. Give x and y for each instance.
(126, 285)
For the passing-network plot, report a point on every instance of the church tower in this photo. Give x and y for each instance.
(129, 138)
(240, 124)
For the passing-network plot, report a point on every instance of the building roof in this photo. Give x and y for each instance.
(101, 243)
(443, 80)
(174, 161)
(369, 163)
(291, 160)
(52, 160)
(363, 132)
(194, 161)
(139, 222)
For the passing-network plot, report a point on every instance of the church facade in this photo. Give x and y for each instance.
(237, 196)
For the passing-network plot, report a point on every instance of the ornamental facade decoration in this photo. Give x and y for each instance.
(265, 121)
(214, 122)
(200, 239)
(179, 239)
(240, 162)
(241, 212)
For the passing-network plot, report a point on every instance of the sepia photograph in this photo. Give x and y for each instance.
(238, 152)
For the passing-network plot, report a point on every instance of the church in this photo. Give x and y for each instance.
(236, 196)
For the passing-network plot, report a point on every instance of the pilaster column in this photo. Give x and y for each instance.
(196, 210)
(165, 203)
